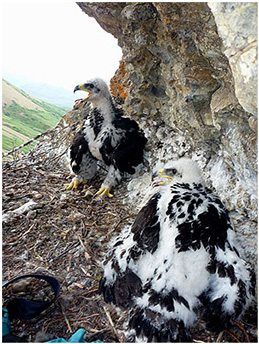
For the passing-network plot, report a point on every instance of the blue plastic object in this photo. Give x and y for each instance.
(6, 326)
(77, 337)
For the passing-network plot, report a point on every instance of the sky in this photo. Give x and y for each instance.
(55, 42)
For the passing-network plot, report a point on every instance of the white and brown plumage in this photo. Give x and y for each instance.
(177, 260)
(106, 136)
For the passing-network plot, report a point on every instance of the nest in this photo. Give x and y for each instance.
(65, 234)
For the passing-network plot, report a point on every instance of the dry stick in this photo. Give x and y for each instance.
(117, 225)
(87, 256)
(232, 335)
(25, 144)
(218, 340)
(34, 139)
(30, 141)
(18, 237)
(66, 319)
(111, 322)
(243, 329)
(58, 156)
(64, 252)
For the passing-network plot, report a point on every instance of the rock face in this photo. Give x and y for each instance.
(189, 78)
(190, 74)
(237, 26)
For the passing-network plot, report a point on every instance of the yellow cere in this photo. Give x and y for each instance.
(169, 178)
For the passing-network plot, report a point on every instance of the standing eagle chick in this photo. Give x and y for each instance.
(176, 261)
(106, 136)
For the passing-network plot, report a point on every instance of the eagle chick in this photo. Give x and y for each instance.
(177, 260)
(106, 136)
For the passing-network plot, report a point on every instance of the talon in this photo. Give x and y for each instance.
(73, 185)
(104, 191)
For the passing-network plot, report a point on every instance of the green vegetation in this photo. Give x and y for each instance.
(14, 142)
(21, 123)
(30, 122)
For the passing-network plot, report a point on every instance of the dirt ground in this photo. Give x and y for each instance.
(65, 234)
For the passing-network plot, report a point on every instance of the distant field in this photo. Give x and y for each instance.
(24, 117)
(10, 94)
(12, 133)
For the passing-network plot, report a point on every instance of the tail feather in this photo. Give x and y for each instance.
(144, 329)
(107, 291)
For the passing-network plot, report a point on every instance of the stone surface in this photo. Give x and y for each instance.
(190, 81)
(176, 80)
(237, 26)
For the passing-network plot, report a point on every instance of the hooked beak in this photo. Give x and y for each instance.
(163, 179)
(81, 88)
(155, 175)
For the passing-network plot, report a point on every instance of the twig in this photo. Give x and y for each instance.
(98, 331)
(218, 340)
(58, 156)
(118, 224)
(87, 256)
(24, 144)
(64, 252)
(93, 289)
(111, 322)
(88, 298)
(243, 329)
(66, 319)
(18, 237)
(31, 140)
(232, 335)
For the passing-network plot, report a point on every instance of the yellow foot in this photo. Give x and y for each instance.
(104, 191)
(74, 184)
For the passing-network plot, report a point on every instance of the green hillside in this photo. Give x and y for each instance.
(24, 116)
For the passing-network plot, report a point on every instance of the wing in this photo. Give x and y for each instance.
(120, 283)
(79, 153)
(146, 227)
(128, 151)
(207, 225)
(232, 280)
(131, 146)
(202, 219)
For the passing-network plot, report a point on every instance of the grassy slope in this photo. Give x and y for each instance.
(22, 120)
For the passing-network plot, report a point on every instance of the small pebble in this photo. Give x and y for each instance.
(32, 214)
(63, 197)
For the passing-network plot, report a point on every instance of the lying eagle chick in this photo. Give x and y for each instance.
(106, 136)
(177, 261)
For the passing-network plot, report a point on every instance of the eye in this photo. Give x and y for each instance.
(89, 85)
(170, 171)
